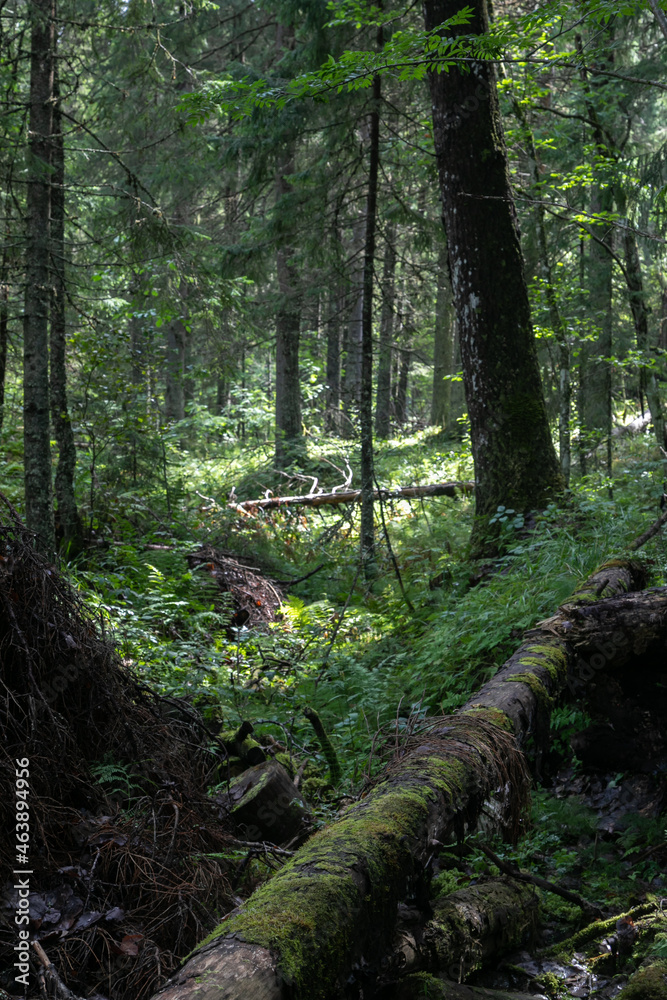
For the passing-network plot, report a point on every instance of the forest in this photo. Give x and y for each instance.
(333, 478)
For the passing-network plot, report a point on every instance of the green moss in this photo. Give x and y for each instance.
(536, 686)
(360, 861)
(592, 932)
(494, 715)
(649, 983)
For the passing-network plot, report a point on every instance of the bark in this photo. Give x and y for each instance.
(36, 433)
(515, 461)
(69, 522)
(443, 346)
(336, 900)
(367, 526)
(383, 394)
(176, 343)
(137, 346)
(659, 15)
(648, 381)
(595, 372)
(487, 919)
(4, 324)
(289, 430)
(555, 318)
(264, 804)
(332, 415)
(352, 379)
(354, 496)
(401, 397)
(420, 985)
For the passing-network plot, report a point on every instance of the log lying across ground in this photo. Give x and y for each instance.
(335, 902)
(354, 496)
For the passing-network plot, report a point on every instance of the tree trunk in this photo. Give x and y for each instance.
(443, 346)
(289, 431)
(352, 393)
(4, 321)
(401, 397)
(332, 414)
(383, 395)
(69, 522)
(36, 434)
(177, 346)
(367, 528)
(596, 415)
(648, 382)
(515, 461)
(555, 318)
(474, 924)
(595, 371)
(336, 900)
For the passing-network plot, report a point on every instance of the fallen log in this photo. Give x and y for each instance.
(489, 918)
(353, 496)
(336, 900)
(419, 985)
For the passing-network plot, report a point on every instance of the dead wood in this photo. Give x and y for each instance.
(353, 496)
(468, 926)
(336, 900)
(242, 591)
(419, 985)
(106, 880)
(649, 533)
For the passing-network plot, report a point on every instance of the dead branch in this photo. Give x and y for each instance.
(354, 496)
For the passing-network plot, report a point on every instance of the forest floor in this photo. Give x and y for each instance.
(252, 617)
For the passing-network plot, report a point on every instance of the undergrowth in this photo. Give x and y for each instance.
(378, 661)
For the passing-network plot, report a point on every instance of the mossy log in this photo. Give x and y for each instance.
(489, 918)
(336, 901)
(649, 983)
(424, 986)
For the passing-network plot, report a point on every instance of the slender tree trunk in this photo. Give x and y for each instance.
(71, 528)
(443, 346)
(367, 531)
(4, 310)
(289, 429)
(555, 318)
(401, 398)
(515, 461)
(332, 414)
(174, 398)
(383, 395)
(36, 434)
(597, 399)
(633, 274)
(355, 324)
(595, 370)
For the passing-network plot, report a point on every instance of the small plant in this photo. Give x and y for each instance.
(116, 778)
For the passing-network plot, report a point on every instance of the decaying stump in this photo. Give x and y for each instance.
(336, 900)
(263, 804)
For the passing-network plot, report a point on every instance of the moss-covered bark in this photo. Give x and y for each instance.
(336, 900)
(423, 986)
(489, 918)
